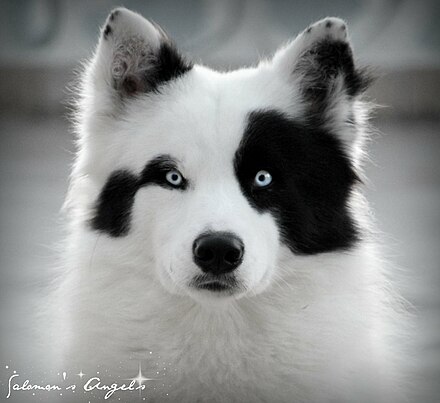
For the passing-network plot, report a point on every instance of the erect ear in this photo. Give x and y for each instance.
(320, 62)
(134, 56)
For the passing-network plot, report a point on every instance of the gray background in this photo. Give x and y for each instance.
(42, 42)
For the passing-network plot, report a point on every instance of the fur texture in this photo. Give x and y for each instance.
(310, 315)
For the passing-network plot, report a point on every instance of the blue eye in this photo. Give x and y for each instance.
(174, 178)
(262, 179)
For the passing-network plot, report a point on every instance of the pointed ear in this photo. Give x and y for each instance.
(134, 56)
(320, 61)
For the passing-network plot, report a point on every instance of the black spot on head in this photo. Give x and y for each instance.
(162, 65)
(312, 180)
(114, 14)
(115, 202)
(107, 31)
(328, 24)
(168, 65)
(308, 30)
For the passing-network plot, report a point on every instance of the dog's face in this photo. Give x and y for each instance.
(209, 177)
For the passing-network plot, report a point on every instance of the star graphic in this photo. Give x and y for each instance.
(81, 374)
(140, 379)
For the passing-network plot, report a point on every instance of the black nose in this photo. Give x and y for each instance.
(218, 252)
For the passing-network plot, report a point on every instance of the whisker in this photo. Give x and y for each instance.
(93, 251)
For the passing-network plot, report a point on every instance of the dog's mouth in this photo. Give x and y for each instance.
(214, 286)
(218, 284)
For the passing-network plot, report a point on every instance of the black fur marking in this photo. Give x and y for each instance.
(164, 65)
(328, 24)
(309, 29)
(107, 30)
(168, 65)
(114, 14)
(113, 207)
(115, 202)
(156, 170)
(321, 66)
(336, 57)
(312, 179)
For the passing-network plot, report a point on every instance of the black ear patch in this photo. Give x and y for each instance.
(169, 64)
(112, 210)
(321, 66)
(139, 69)
(312, 180)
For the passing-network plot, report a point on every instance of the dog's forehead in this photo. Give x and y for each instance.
(203, 114)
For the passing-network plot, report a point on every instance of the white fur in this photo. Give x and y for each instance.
(304, 328)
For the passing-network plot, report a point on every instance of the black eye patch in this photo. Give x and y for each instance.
(311, 180)
(113, 207)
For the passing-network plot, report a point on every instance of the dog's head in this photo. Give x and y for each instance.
(209, 177)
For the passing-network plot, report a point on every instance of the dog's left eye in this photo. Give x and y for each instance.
(174, 178)
(262, 179)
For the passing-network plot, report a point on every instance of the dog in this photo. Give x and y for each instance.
(217, 226)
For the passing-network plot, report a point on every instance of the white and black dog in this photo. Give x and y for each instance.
(217, 221)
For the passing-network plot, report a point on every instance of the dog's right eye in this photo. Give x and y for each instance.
(262, 179)
(174, 178)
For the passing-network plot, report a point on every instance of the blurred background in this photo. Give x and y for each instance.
(43, 41)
